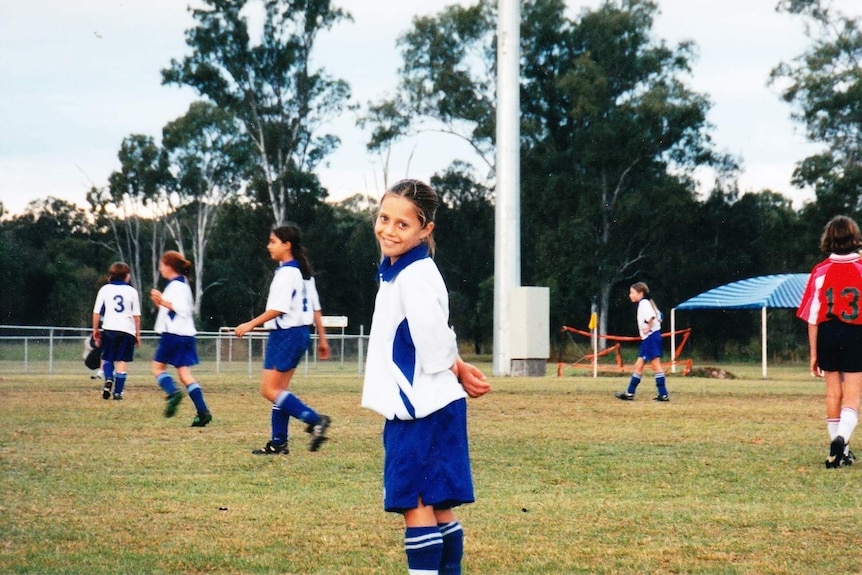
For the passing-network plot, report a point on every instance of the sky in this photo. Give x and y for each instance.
(78, 77)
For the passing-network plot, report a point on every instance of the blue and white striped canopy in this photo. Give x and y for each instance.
(774, 291)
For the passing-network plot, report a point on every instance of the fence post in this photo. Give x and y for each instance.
(360, 347)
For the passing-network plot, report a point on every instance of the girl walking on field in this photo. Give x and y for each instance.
(831, 307)
(116, 327)
(649, 329)
(415, 379)
(177, 345)
(287, 317)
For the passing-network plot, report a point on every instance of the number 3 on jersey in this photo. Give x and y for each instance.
(848, 304)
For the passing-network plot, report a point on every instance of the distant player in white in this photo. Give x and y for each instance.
(649, 329)
(287, 316)
(177, 346)
(415, 379)
(117, 327)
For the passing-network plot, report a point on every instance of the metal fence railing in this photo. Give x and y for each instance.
(45, 349)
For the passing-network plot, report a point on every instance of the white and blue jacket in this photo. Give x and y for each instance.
(411, 347)
(287, 294)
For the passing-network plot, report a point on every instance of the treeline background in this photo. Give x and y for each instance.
(611, 139)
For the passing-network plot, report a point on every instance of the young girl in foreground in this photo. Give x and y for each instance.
(831, 307)
(415, 379)
(177, 345)
(286, 317)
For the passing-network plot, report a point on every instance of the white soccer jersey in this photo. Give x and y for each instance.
(411, 347)
(180, 320)
(287, 295)
(312, 301)
(646, 312)
(118, 304)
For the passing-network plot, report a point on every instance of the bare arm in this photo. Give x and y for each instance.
(322, 343)
(246, 327)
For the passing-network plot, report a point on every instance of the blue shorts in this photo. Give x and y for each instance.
(427, 458)
(839, 346)
(177, 350)
(117, 346)
(650, 347)
(285, 348)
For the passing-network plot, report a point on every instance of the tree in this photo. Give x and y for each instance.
(269, 87)
(824, 86)
(143, 175)
(209, 162)
(465, 222)
(609, 130)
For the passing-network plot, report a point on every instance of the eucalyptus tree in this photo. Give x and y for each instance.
(127, 200)
(824, 86)
(268, 85)
(209, 162)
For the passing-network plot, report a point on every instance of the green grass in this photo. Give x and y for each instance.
(727, 478)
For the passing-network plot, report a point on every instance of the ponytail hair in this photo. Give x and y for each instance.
(177, 262)
(289, 232)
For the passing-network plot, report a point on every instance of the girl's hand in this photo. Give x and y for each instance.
(472, 380)
(243, 329)
(156, 297)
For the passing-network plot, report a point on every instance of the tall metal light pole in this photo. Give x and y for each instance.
(507, 226)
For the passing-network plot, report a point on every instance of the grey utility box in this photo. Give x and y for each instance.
(530, 311)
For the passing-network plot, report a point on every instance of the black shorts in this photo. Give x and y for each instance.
(839, 346)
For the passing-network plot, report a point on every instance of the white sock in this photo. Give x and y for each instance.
(849, 419)
(832, 428)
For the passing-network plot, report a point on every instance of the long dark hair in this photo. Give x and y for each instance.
(289, 232)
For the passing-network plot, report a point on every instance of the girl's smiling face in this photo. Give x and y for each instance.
(278, 250)
(398, 228)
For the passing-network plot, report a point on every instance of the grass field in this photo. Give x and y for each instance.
(727, 478)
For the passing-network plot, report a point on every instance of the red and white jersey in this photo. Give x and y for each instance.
(834, 291)
(118, 304)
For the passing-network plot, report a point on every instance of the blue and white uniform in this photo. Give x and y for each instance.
(177, 345)
(312, 301)
(408, 380)
(651, 346)
(118, 304)
(289, 335)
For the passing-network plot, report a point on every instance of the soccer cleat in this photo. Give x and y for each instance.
(106, 391)
(318, 432)
(836, 452)
(202, 418)
(272, 449)
(625, 396)
(661, 398)
(848, 458)
(118, 397)
(171, 403)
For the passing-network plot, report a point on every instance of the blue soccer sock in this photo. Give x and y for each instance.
(294, 407)
(453, 548)
(197, 396)
(633, 383)
(166, 382)
(424, 549)
(279, 419)
(108, 370)
(660, 383)
(119, 383)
